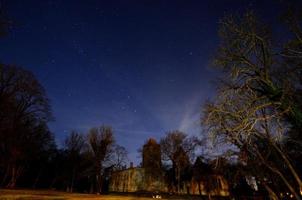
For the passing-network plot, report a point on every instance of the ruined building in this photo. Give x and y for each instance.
(150, 177)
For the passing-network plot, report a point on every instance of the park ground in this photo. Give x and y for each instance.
(55, 195)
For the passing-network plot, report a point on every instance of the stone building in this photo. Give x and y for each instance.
(149, 177)
(134, 179)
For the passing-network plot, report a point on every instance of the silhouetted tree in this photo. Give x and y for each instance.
(119, 157)
(26, 144)
(74, 145)
(100, 141)
(24, 113)
(201, 174)
(182, 165)
(177, 148)
(151, 155)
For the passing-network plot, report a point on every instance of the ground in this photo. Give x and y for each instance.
(55, 195)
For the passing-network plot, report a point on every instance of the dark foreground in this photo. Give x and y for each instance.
(55, 195)
(22, 194)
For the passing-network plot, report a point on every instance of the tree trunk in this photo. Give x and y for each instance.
(289, 165)
(91, 188)
(98, 184)
(272, 194)
(178, 180)
(208, 186)
(286, 160)
(53, 181)
(15, 173)
(289, 185)
(276, 171)
(72, 180)
(37, 179)
(5, 176)
(98, 176)
(199, 189)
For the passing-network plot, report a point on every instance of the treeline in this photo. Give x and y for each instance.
(28, 154)
(86, 162)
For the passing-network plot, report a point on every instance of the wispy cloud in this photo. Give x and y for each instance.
(191, 116)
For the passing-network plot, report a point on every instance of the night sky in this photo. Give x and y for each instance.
(142, 66)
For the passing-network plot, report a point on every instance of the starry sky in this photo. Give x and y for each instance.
(141, 66)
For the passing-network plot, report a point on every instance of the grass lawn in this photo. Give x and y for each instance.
(49, 195)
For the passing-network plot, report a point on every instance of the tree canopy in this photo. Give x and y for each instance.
(256, 104)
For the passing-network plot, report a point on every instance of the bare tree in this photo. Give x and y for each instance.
(254, 98)
(100, 141)
(74, 145)
(119, 157)
(178, 148)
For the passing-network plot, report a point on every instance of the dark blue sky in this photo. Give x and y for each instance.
(142, 66)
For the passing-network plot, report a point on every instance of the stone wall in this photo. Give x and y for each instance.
(135, 180)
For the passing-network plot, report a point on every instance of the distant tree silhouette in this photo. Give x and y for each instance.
(177, 148)
(101, 141)
(201, 173)
(74, 146)
(182, 165)
(118, 158)
(151, 155)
